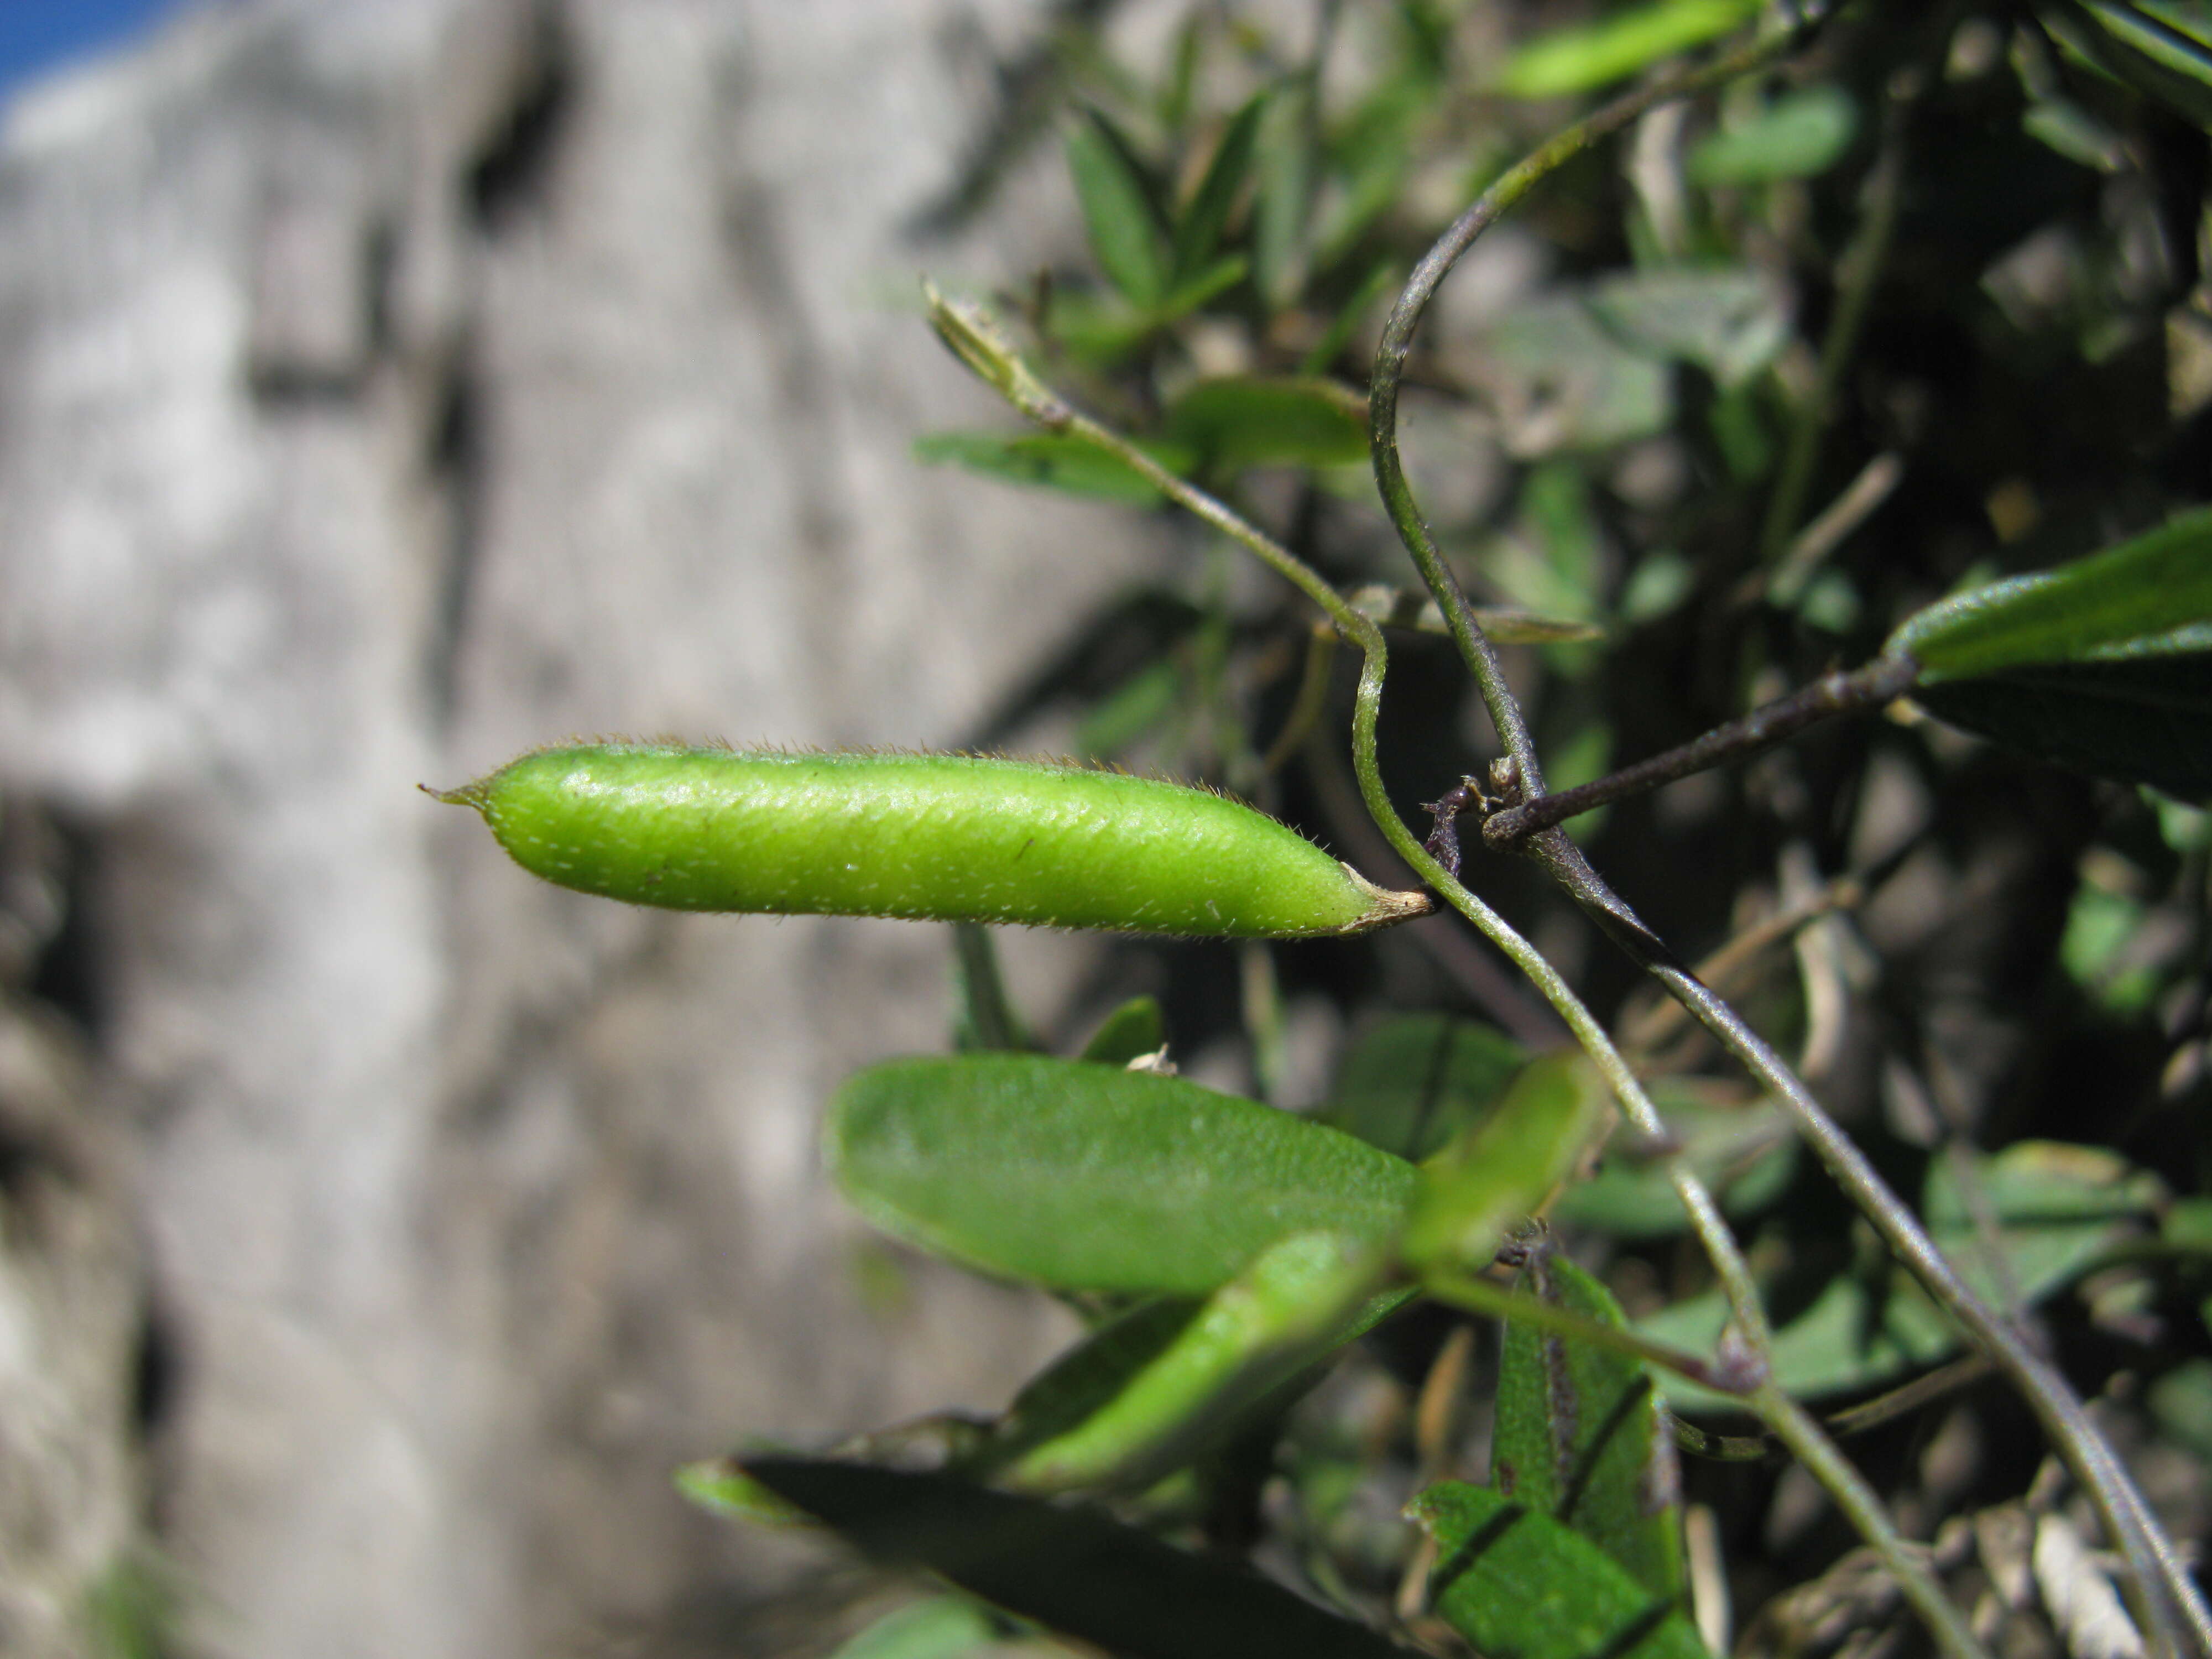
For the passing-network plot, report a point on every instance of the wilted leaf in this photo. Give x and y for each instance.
(1596, 54)
(1579, 1434)
(1081, 1177)
(1071, 1570)
(1519, 1585)
(1798, 136)
(1503, 1169)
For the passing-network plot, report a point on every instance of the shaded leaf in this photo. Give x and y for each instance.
(1248, 421)
(1051, 460)
(2162, 48)
(1731, 324)
(2145, 721)
(2059, 1207)
(1081, 1177)
(1798, 136)
(1501, 1170)
(1136, 707)
(1745, 1153)
(1518, 1585)
(1071, 1570)
(1559, 380)
(1199, 231)
(1298, 1300)
(1126, 237)
(1597, 54)
(1135, 1028)
(1580, 1436)
(1411, 1082)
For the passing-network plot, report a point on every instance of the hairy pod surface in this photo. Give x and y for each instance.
(940, 837)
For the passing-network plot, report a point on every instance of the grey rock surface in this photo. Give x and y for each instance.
(387, 385)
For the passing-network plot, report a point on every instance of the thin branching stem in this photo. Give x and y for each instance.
(972, 336)
(2127, 1519)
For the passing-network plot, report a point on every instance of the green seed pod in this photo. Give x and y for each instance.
(944, 838)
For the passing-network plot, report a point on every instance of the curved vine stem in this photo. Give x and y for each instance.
(2155, 1565)
(973, 337)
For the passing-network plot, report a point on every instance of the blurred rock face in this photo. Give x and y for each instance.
(385, 387)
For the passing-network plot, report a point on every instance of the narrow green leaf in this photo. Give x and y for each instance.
(1580, 1436)
(1072, 1570)
(721, 1486)
(1131, 710)
(1248, 421)
(1199, 231)
(1282, 204)
(942, 1627)
(1299, 1299)
(1799, 136)
(1411, 1082)
(1519, 1585)
(1126, 235)
(1745, 1153)
(2059, 1207)
(1051, 460)
(1594, 55)
(1503, 1169)
(2162, 48)
(1131, 1031)
(1730, 322)
(1084, 1178)
(2143, 720)
(2149, 596)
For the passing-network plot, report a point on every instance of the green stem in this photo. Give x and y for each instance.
(971, 335)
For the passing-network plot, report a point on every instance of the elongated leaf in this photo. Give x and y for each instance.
(1298, 1300)
(1597, 54)
(1132, 1030)
(1081, 1177)
(1411, 1082)
(1580, 1436)
(1518, 1585)
(1797, 136)
(2162, 48)
(1072, 1570)
(2148, 719)
(1199, 231)
(1731, 324)
(1051, 460)
(942, 1627)
(1503, 1169)
(1248, 421)
(1744, 1153)
(1127, 238)
(2146, 597)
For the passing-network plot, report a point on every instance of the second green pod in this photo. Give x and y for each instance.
(942, 837)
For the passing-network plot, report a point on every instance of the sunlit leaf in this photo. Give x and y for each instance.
(1593, 55)
(1579, 1434)
(2162, 48)
(1519, 1585)
(1798, 136)
(941, 1627)
(1298, 1300)
(1502, 1170)
(1071, 1570)
(1083, 1177)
